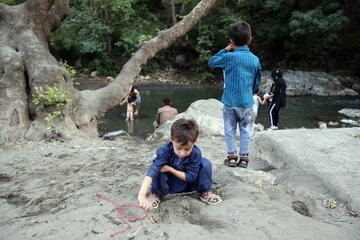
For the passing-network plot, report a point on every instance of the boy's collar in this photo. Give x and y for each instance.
(242, 48)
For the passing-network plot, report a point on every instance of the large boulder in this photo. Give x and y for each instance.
(208, 115)
(301, 83)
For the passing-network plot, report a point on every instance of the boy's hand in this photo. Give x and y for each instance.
(171, 170)
(144, 203)
(165, 168)
(230, 48)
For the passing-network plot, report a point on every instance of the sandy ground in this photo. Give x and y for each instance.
(48, 190)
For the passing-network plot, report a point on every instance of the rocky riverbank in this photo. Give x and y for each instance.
(299, 83)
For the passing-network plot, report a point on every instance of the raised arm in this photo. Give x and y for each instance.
(218, 60)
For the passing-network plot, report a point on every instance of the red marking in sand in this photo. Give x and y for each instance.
(122, 213)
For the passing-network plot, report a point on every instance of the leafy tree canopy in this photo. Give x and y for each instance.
(307, 35)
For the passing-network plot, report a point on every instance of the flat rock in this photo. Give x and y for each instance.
(350, 112)
(325, 160)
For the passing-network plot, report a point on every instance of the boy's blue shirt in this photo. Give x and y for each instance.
(242, 75)
(165, 155)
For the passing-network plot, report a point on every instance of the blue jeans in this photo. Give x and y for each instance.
(245, 118)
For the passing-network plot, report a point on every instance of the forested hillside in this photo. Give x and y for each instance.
(290, 34)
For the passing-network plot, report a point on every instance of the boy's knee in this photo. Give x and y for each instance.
(206, 164)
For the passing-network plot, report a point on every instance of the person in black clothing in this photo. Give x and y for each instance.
(278, 95)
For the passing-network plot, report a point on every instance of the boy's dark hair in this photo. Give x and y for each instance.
(129, 100)
(257, 91)
(240, 33)
(166, 101)
(184, 130)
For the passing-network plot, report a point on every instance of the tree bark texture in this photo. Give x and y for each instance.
(173, 12)
(26, 63)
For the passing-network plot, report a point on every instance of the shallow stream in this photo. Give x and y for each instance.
(304, 111)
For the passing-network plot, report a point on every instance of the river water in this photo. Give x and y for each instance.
(304, 111)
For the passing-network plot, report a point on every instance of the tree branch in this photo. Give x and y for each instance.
(108, 98)
(59, 10)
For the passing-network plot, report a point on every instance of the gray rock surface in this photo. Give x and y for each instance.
(115, 134)
(356, 87)
(322, 125)
(350, 112)
(301, 83)
(2, 139)
(324, 160)
(208, 115)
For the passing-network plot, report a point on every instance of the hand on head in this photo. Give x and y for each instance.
(230, 48)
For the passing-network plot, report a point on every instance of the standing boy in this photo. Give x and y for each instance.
(242, 73)
(178, 167)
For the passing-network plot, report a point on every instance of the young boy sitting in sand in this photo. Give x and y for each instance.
(178, 167)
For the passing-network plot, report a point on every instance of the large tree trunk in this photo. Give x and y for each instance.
(26, 63)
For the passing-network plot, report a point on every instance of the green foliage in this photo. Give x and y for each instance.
(50, 118)
(72, 71)
(297, 34)
(49, 97)
(202, 74)
(313, 32)
(314, 21)
(65, 43)
(12, 2)
(104, 64)
(207, 36)
(146, 70)
(205, 42)
(52, 96)
(105, 31)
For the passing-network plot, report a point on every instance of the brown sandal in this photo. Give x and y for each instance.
(228, 159)
(209, 197)
(154, 200)
(243, 162)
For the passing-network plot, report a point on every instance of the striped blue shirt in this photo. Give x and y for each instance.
(242, 71)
